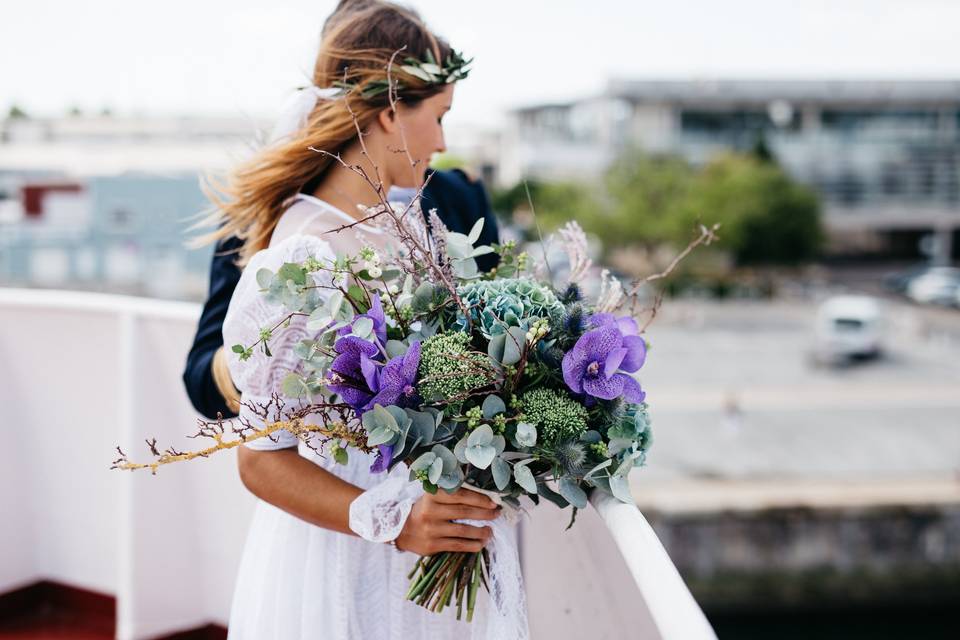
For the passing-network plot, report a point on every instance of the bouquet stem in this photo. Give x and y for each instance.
(442, 576)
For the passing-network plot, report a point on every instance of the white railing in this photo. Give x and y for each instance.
(81, 373)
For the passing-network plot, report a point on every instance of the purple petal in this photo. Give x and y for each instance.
(347, 365)
(370, 372)
(574, 368)
(631, 389)
(384, 458)
(355, 345)
(612, 363)
(385, 397)
(598, 320)
(411, 362)
(356, 398)
(597, 343)
(379, 320)
(604, 388)
(628, 326)
(636, 353)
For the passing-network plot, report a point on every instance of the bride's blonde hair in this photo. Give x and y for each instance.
(357, 46)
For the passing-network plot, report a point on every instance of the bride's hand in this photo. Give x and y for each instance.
(429, 530)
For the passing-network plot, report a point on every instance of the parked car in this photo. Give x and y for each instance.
(848, 327)
(937, 285)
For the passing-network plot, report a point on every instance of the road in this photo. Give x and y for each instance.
(734, 395)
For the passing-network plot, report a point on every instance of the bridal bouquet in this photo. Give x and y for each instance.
(502, 381)
(494, 380)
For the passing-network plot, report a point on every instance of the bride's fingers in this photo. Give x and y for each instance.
(457, 530)
(461, 512)
(465, 496)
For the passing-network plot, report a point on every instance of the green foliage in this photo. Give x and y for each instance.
(559, 416)
(448, 367)
(765, 216)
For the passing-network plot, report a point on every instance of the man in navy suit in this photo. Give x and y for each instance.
(459, 200)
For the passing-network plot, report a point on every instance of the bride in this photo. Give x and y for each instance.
(330, 546)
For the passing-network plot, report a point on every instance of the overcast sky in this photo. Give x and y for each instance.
(238, 57)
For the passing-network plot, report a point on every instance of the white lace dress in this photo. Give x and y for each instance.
(297, 581)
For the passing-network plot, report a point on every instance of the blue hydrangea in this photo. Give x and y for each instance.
(507, 302)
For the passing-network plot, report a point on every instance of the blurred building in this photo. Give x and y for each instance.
(883, 155)
(105, 203)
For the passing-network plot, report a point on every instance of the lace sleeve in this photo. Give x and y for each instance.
(259, 377)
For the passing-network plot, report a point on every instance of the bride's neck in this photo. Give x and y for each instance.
(345, 189)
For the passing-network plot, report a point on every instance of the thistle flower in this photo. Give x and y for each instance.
(571, 456)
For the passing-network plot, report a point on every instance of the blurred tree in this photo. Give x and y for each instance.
(644, 193)
(16, 113)
(447, 161)
(766, 217)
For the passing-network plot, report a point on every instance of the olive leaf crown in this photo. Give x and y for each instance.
(454, 68)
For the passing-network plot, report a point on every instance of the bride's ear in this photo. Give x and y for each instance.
(388, 120)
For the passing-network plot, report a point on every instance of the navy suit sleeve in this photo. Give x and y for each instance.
(460, 202)
(198, 376)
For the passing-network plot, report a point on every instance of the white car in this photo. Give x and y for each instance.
(938, 285)
(849, 327)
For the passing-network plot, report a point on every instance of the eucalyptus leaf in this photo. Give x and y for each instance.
(363, 327)
(460, 450)
(480, 455)
(493, 405)
(482, 250)
(292, 271)
(501, 473)
(476, 231)
(264, 278)
(447, 456)
(450, 480)
(395, 348)
(524, 478)
(435, 471)
(515, 340)
(526, 434)
(380, 435)
(423, 462)
(318, 319)
(620, 488)
(482, 435)
(294, 386)
(603, 465)
(544, 490)
(570, 489)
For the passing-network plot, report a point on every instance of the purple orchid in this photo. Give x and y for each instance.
(394, 383)
(375, 313)
(348, 371)
(602, 359)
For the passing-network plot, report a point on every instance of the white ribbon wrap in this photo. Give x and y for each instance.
(379, 513)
